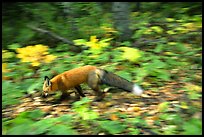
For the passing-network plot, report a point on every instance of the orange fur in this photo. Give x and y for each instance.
(91, 75)
(69, 79)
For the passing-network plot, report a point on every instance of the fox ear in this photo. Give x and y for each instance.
(46, 78)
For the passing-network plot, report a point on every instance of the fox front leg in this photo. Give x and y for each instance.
(65, 95)
(80, 91)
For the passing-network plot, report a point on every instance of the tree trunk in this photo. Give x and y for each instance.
(121, 19)
(70, 17)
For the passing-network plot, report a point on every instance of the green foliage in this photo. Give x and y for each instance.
(130, 54)
(7, 56)
(82, 109)
(155, 68)
(172, 119)
(165, 47)
(34, 85)
(193, 91)
(192, 127)
(28, 123)
(96, 46)
(112, 127)
(10, 95)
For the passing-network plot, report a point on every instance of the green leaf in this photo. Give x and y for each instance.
(162, 107)
(65, 118)
(84, 100)
(192, 127)
(173, 119)
(162, 74)
(113, 127)
(158, 48)
(22, 129)
(35, 114)
(125, 75)
(158, 64)
(157, 29)
(36, 85)
(137, 121)
(134, 131)
(10, 93)
(169, 129)
(14, 46)
(80, 42)
(21, 120)
(126, 43)
(42, 126)
(61, 130)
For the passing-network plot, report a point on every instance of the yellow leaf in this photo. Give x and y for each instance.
(168, 53)
(41, 47)
(49, 58)
(193, 87)
(157, 29)
(113, 117)
(94, 56)
(93, 39)
(130, 54)
(79, 42)
(4, 66)
(184, 105)
(171, 32)
(35, 63)
(170, 19)
(148, 31)
(190, 26)
(35, 54)
(163, 106)
(171, 43)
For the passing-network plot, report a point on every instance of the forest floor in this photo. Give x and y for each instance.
(149, 105)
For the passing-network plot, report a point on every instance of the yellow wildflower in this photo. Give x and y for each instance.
(36, 54)
(93, 39)
(4, 66)
(49, 58)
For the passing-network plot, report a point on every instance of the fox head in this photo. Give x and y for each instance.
(47, 86)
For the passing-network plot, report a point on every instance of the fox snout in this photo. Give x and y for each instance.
(44, 94)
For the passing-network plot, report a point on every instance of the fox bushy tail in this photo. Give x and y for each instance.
(117, 81)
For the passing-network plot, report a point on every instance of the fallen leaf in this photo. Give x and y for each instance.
(26, 100)
(21, 110)
(122, 109)
(136, 113)
(163, 106)
(46, 108)
(145, 96)
(110, 103)
(133, 109)
(113, 117)
(150, 120)
(197, 115)
(184, 105)
(193, 87)
(152, 112)
(101, 105)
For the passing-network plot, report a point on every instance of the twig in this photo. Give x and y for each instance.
(51, 34)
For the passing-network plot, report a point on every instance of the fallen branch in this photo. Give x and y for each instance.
(51, 34)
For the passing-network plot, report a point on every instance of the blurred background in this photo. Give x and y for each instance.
(155, 44)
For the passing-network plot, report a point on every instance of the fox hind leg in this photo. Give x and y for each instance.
(93, 83)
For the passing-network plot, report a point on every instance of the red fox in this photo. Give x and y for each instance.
(91, 75)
